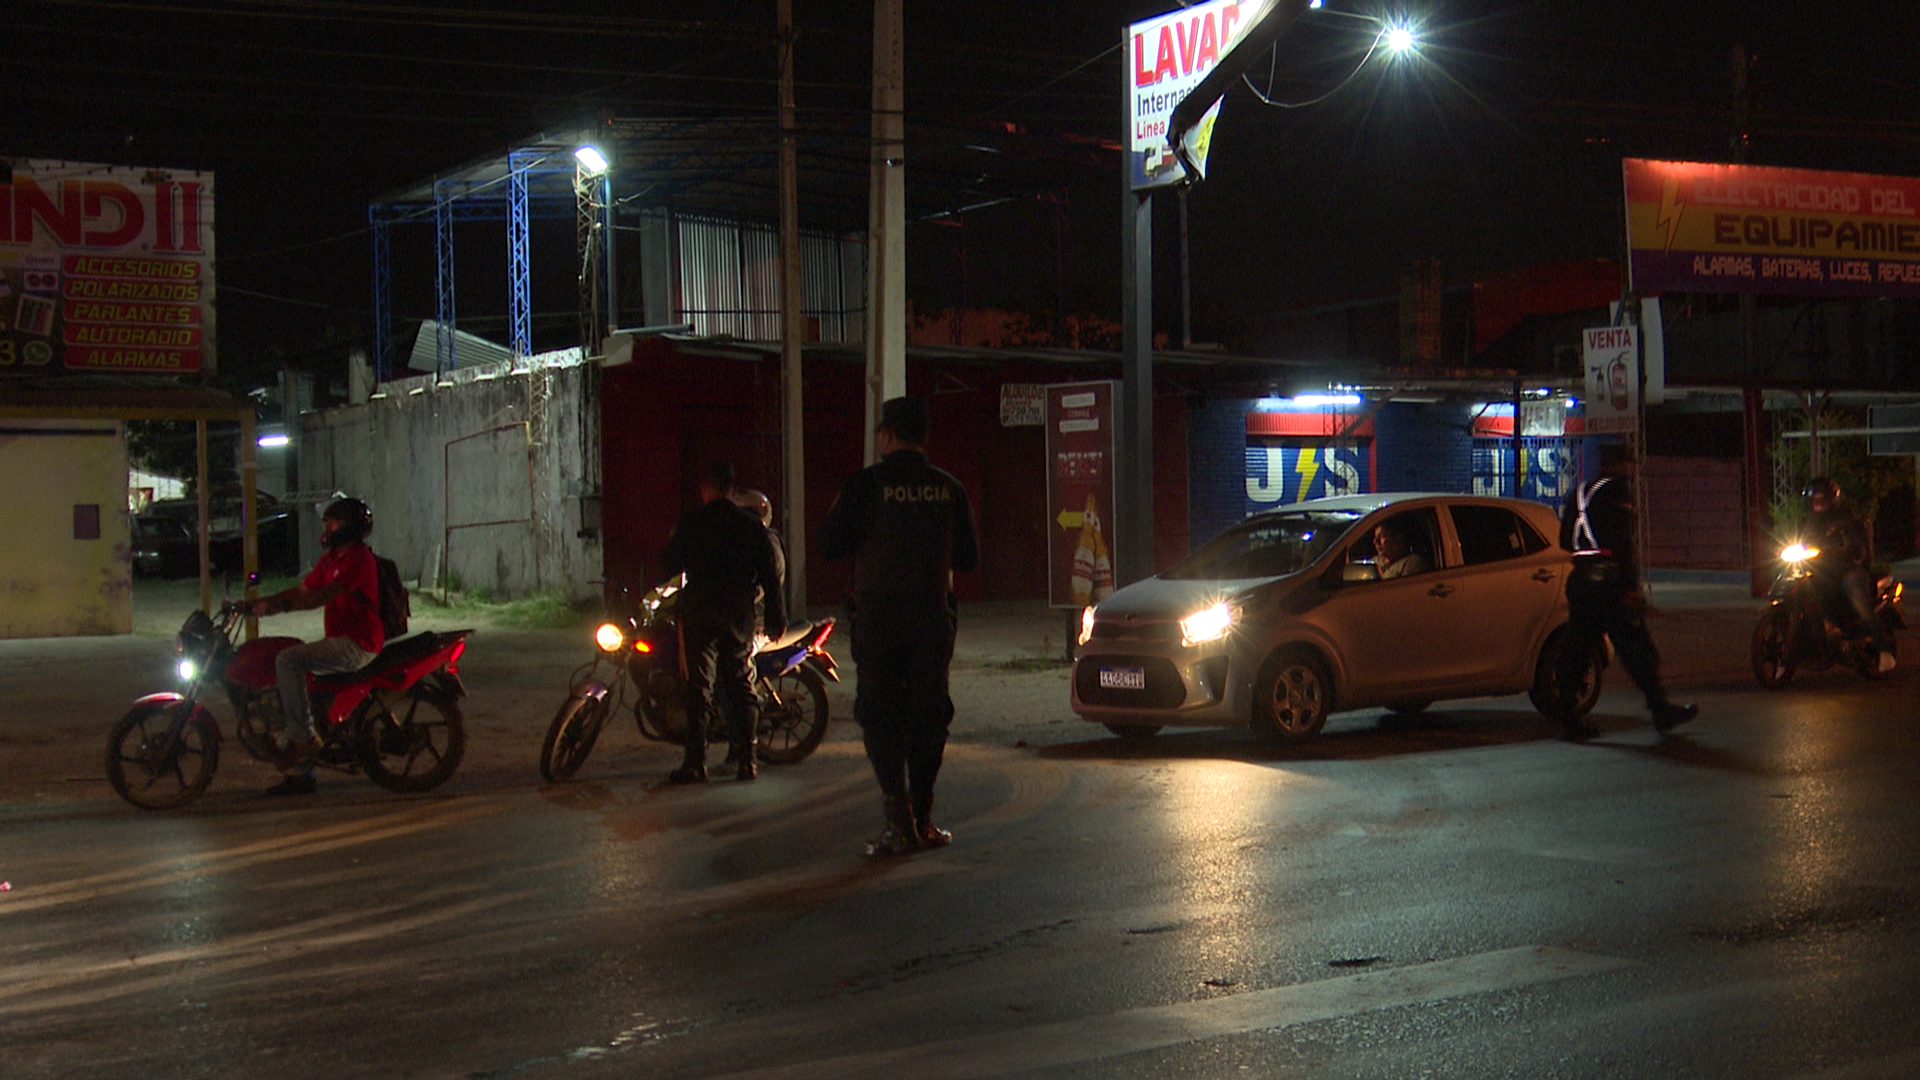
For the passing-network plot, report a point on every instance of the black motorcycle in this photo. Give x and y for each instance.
(637, 665)
(1804, 630)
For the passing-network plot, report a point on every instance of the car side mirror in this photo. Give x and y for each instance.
(1359, 571)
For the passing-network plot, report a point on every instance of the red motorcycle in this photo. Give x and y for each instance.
(398, 718)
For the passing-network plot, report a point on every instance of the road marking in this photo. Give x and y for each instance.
(173, 869)
(53, 987)
(1154, 1027)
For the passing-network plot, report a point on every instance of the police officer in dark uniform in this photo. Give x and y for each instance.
(1603, 594)
(728, 561)
(908, 527)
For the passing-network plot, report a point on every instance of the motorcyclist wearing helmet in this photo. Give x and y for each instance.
(1840, 572)
(347, 583)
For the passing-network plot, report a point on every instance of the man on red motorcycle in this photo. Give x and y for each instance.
(1840, 571)
(347, 583)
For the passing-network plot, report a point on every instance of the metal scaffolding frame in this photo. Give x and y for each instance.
(533, 181)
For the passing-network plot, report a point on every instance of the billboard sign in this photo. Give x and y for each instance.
(1167, 57)
(105, 269)
(1081, 418)
(1612, 362)
(1695, 227)
(1291, 471)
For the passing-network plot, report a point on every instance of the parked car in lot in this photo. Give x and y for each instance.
(164, 546)
(1284, 619)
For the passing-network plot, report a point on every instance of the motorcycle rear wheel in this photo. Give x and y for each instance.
(570, 738)
(1772, 650)
(403, 749)
(795, 727)
(148, 773)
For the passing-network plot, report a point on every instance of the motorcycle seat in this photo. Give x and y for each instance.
(796, 632)
(398, 653)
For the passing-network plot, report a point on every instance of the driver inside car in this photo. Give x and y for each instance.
(1393, 554)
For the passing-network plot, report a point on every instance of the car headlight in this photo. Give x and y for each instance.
(1799, 553)
(1211, 624)
(609, 637)
(188, 670)
(1086, 624)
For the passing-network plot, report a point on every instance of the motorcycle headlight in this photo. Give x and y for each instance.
(1086, 624)
(1798, 553)
(188, 669)
(609, 637)
(1211, 624)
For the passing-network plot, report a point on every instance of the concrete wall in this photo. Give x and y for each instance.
(479, 474)
(65, 567)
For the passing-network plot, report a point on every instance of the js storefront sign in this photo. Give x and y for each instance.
(1694, 227)
(105, 269)
(1080, 489)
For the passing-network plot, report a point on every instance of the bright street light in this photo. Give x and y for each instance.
(591, 160)
(1400, 40)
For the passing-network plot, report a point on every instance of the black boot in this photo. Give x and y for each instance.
(1667, 715)
(745, 767)
(899, 837)
(923, 827)
(692, 770)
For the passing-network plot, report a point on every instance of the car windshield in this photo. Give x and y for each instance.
(1266, 545)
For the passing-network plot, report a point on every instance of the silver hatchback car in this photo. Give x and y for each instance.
(1345, 603)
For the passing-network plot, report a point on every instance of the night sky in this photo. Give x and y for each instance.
(1498, 147)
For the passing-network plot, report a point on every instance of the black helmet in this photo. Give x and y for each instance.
(1821, 486)
(355, 518)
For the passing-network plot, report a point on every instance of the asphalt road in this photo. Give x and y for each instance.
(1456, 896)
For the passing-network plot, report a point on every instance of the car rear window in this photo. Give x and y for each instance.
(1492, 533)
(1265, 545)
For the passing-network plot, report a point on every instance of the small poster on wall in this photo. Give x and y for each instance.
(1080, 420)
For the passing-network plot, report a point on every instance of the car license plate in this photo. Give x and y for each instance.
(1123, 678)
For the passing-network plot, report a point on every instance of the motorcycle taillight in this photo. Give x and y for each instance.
(820, 638)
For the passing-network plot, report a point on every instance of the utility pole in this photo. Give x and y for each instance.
(886, 221)
(793, 329)
(1753, 397)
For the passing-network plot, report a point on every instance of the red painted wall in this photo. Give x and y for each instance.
(667, 414)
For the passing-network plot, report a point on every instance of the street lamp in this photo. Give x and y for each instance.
(592, 161)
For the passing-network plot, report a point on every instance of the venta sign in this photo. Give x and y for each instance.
(105, 269)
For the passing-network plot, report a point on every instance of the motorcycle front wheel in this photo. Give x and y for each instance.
(150, 768)
(570, 738)
(1772, 650)
(793, 715)
(412, 743)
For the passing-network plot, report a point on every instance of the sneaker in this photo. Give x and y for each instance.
(892, 841)
(298, 755)
(933, 837)
(293, 784)
(1887, 662)
(1670, 716)
(688, 774)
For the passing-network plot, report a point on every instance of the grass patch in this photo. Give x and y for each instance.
(1034, 663)
(544, 611)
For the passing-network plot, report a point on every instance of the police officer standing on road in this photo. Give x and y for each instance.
(908, 526)
(1604, 597)
(728, 561)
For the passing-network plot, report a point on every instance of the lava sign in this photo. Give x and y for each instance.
(1168, 57)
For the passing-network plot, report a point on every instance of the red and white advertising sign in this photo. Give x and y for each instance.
(105, 268)
(1080, 479)
(1169, 55)
(1612, 356)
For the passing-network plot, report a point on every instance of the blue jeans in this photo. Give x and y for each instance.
(328, 656)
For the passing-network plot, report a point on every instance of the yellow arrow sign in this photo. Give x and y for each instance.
(1071, 519)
